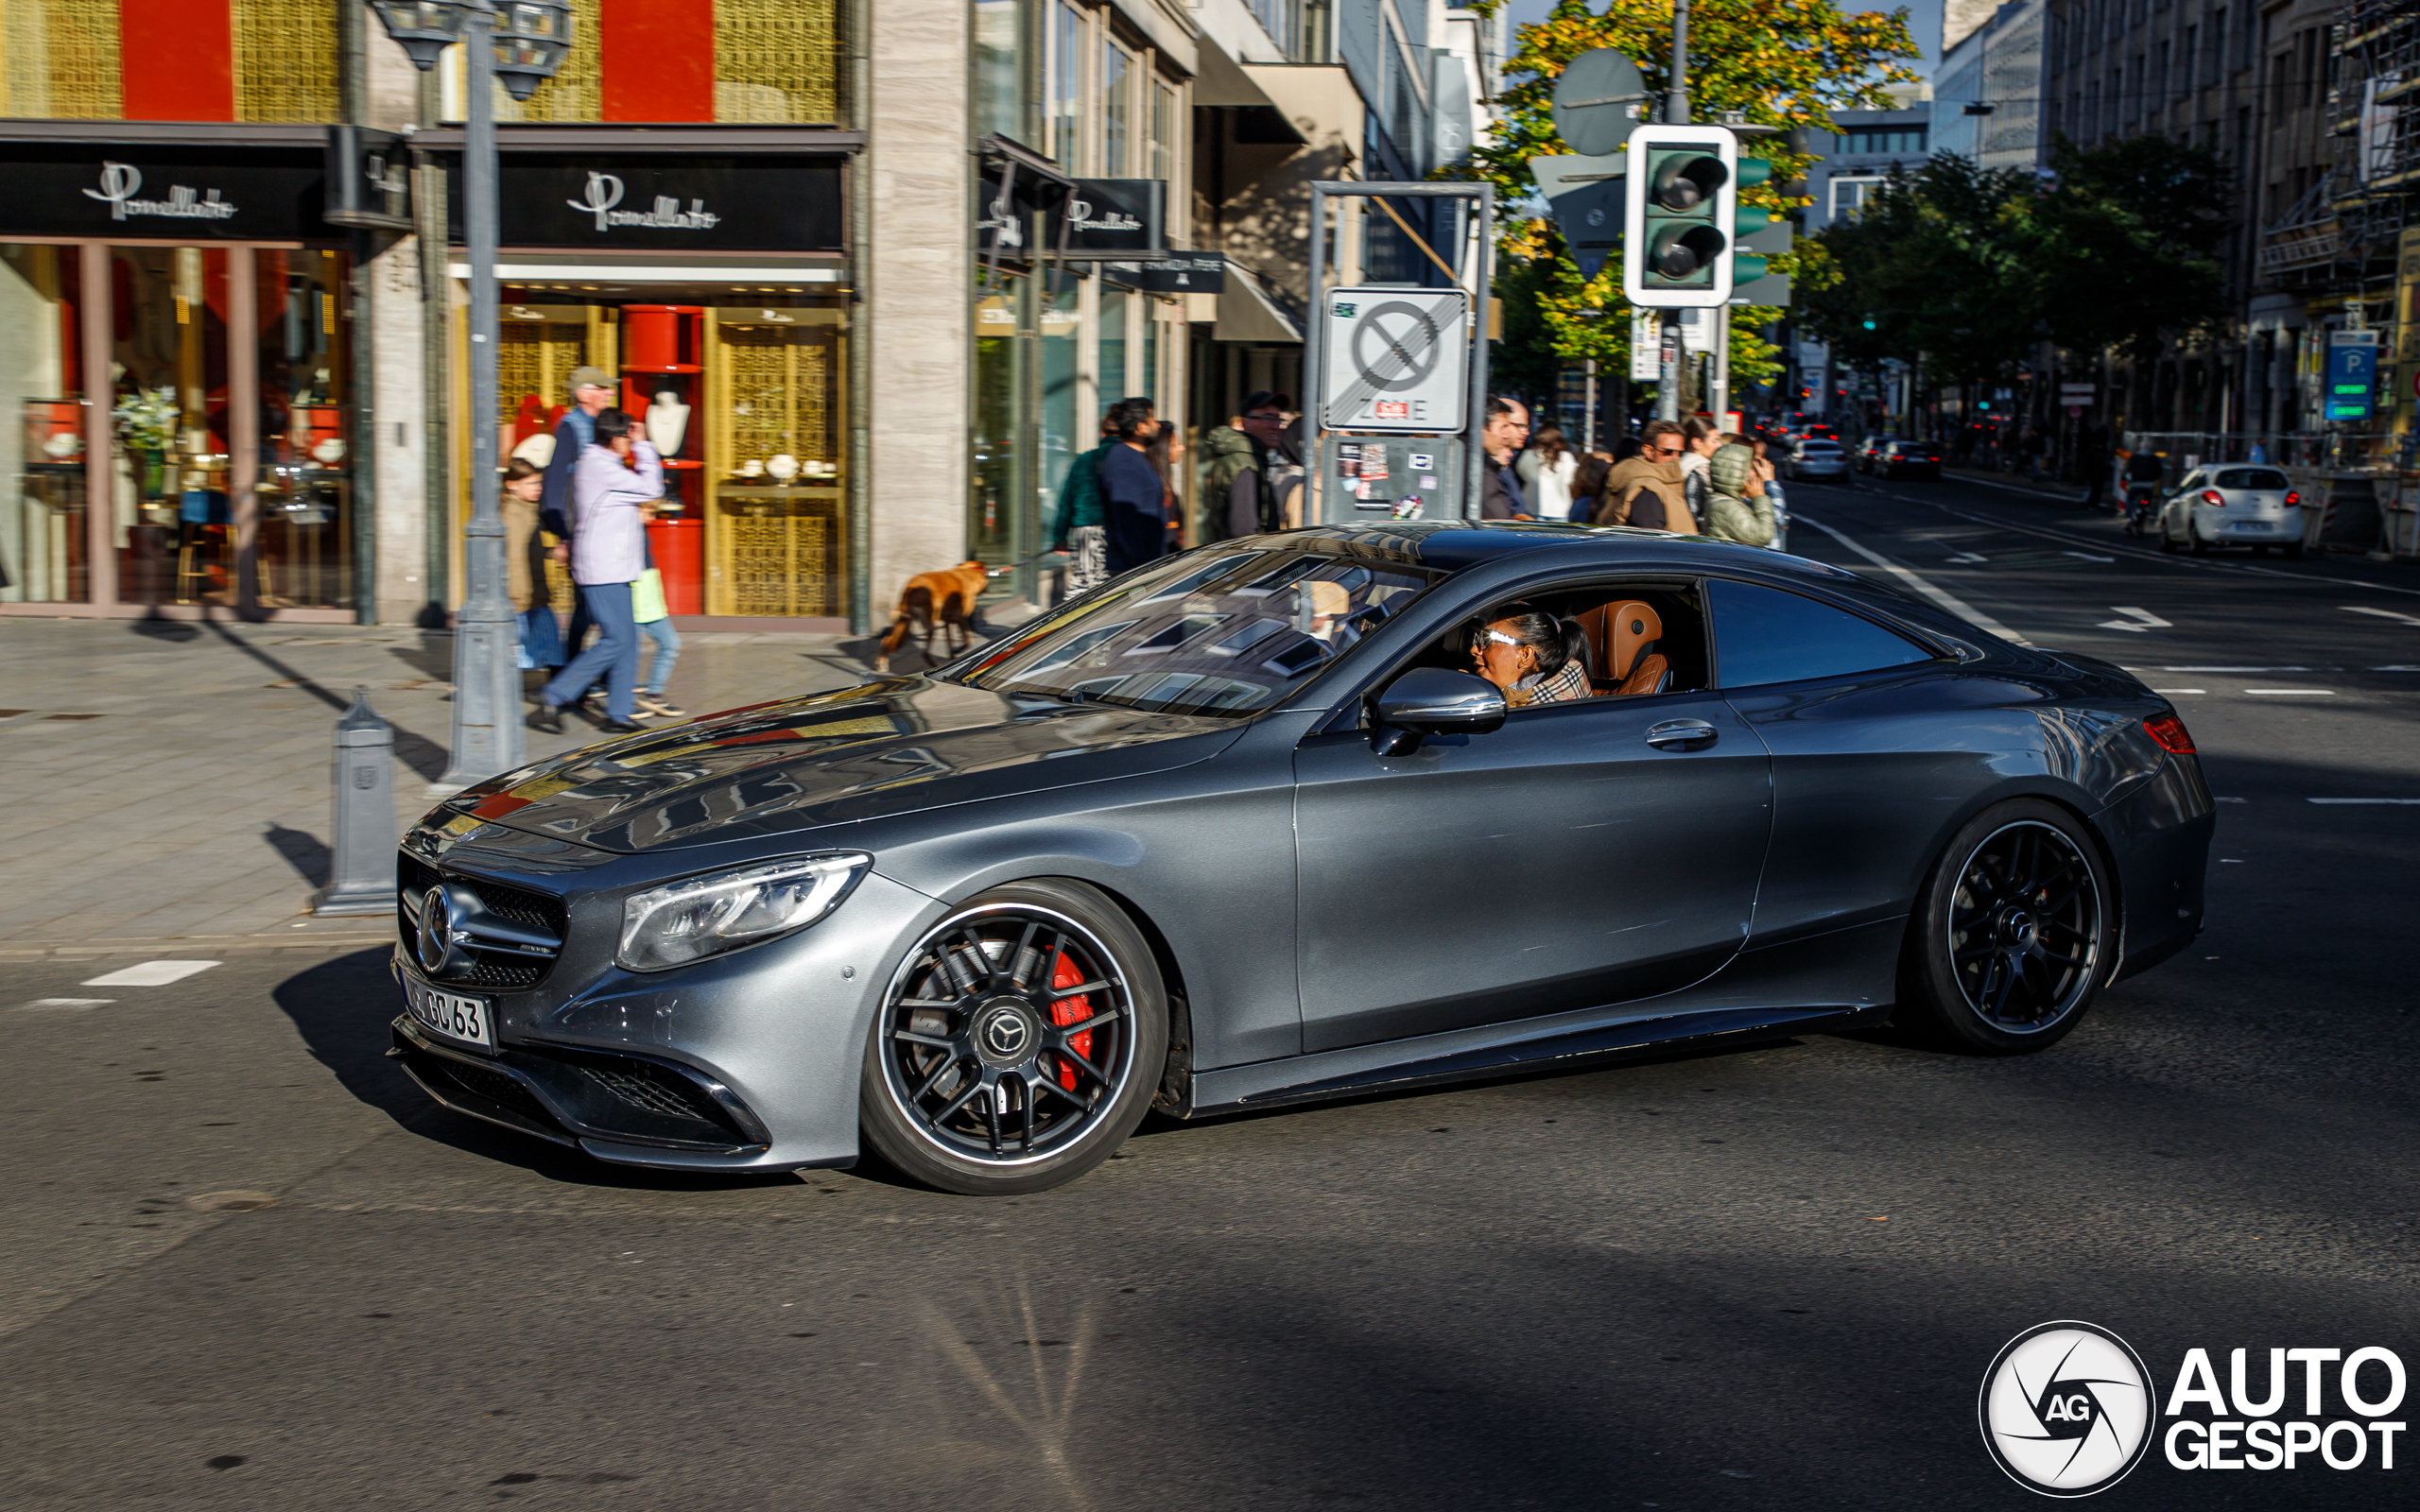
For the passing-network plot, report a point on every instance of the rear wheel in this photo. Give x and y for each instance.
(2167, 541)
(1019, 1045)
(2201, 542)
(2013, 934)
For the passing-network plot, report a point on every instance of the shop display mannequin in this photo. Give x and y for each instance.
(668, 422)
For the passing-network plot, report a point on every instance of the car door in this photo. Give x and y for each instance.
(1878, 744)
(1579, 856)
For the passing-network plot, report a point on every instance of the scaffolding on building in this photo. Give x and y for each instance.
(2374, 113)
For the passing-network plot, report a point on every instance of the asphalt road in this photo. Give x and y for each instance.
(1771, 1278)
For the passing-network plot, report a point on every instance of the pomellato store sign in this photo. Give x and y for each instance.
(128, 192)
(662, 203)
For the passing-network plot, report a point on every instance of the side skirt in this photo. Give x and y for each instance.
(1297, 1081)
(1821, 984)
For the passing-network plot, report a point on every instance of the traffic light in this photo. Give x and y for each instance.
(1681, 209)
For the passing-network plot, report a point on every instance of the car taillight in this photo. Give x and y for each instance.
(2293, 499)
(2170, 733)
(2213, 497)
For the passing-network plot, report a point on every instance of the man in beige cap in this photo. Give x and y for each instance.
(592, 390)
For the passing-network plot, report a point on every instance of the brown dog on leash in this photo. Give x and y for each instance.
(943, 601)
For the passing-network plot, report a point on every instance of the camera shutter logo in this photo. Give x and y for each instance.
(2066, 1409)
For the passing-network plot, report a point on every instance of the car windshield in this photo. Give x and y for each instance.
(1211, 633)
(2251, 477)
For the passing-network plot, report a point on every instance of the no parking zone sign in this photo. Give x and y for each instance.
(1396, 359)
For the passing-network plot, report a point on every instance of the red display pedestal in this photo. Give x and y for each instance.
(680, 548)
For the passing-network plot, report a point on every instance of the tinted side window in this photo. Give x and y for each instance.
(1763, 635)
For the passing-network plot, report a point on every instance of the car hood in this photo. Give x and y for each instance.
(868, 752)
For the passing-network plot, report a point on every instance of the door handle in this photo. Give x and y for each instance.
(1681, 734)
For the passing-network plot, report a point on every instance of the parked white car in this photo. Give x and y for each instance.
(2238, 506)
(1817, 458)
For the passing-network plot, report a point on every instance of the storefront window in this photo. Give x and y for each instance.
(171, 408)
(305, 481)
(1149, 376)
(1063, 434)
(994, 531)
(1111, 363)
(43, 535)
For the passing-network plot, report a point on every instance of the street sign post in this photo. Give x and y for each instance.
(1585, 195)
(1394, 360)
(2352, 373)
(1401, 360)
(1598, 97)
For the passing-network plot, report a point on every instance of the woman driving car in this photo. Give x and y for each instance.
(1533, 656)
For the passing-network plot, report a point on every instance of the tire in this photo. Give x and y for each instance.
(2200, 546)
(2167, 541)
(2013, 934)
(977, 1080)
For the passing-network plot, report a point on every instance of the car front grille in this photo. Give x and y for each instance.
(497, 969)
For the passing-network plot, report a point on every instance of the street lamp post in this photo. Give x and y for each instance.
(520, 42)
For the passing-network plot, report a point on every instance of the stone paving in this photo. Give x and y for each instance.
(169, 782)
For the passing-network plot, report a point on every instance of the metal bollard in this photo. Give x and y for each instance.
(361, 870)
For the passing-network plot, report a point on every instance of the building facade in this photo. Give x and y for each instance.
(872, 268)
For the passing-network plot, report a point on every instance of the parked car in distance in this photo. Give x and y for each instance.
(2254, 507)
(1890, 457)
(1817, 458)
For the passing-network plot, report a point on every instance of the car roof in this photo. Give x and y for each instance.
(1456, 547)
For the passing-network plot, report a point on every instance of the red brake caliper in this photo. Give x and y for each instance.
(1071, 1010)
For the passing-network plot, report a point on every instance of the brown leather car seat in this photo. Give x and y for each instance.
(1623, 635)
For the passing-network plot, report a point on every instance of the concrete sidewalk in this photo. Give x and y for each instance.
(169, 782)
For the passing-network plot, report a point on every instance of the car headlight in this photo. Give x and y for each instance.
(697, 917)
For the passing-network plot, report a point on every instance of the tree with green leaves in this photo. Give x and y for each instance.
(1782, 64)
(2126, 248)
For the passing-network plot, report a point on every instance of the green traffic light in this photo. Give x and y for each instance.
(1869, 325)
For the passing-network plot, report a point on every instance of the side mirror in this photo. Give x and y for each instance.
(1426, 700)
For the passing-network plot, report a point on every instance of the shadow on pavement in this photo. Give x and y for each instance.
(342, 1009)
(301, 850)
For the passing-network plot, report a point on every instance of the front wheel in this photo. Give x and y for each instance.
(1019, 1044)
(2013, 934)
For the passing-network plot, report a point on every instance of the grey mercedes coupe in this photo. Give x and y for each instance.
(1246, 827)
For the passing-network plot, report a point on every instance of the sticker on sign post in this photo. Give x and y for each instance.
(1396, 360)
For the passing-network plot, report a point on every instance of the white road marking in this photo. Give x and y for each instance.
(2395, 802)
(152, 974)
(2086, 556)
(2282, 692)
(54, 1004)
(1942, 597)
(1969, 556)
(2138, 620)
(2247, 669)
(2183, 563)
(2396, 669)
(2235, 800)
(2175, 691)
(2382, 613)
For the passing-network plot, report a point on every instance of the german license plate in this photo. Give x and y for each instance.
(450, 1014)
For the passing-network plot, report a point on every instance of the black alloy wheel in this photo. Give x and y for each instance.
(1019, 1044)
(2016, 933)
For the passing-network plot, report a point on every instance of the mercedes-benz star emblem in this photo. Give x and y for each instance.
(432, 940)
(2066, 1409)
(1005, 1033)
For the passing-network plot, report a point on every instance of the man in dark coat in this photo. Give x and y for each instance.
(1508, 429)
(1133, 497)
